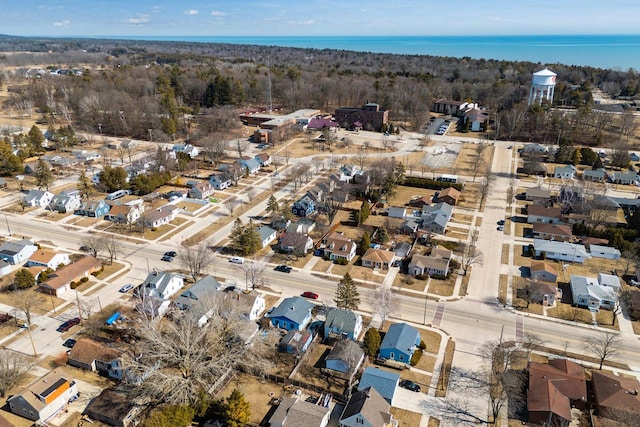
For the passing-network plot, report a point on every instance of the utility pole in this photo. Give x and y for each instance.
(424, 318)
(8, 228)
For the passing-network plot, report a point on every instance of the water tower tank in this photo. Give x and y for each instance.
(542, 86)
(544, 77)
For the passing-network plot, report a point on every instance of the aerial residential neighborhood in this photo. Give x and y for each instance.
(317, 265)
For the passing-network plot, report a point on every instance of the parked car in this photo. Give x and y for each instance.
(68, 324)
(309, 294)
(283, 268)
(501, 228)
(69, 343)
(396, 263)
(237, 260)
(166, 258)
(501, 222)
(410, 385)
(126, 288)
(172, 254)
(85, 248)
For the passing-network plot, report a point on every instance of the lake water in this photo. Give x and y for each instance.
(605, 51)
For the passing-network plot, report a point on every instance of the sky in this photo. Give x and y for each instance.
(213, 18)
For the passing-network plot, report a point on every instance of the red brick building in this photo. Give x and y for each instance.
(371, 117)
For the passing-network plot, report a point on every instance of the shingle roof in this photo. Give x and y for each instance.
(61, 277)
(557, 229)
(384, 382)
(378, 255)
(295, 309)
(87, 350)
(560, 247)
(539, 210)
(552, 385)
(401, 336)
(293, 412)
(370, 404)
(543, 266)
(347, 351)
(343, 319)
(110, 404)
(616, 392)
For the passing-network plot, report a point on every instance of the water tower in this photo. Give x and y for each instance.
(542, 86)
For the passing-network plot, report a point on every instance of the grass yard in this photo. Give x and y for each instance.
(519, 258)
(465, 282)
(41, 303)
(406, 418)
(257, 392)
(433, 422)
(502, 288)
(366, 274)
(406, 281)
(462, 218)
(432, 340)
(606, 319)
(403, 195)
(504, 259)
(573, 314)
(521, 227)
(443, 287)
(445, 372)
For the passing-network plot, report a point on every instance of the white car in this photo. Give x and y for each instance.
(237, 260)
(126, 288)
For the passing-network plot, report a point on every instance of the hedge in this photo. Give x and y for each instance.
(416, 357)
(416, 181)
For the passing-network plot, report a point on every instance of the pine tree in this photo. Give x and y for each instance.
(251, 242)
(237, 409)
(43, 175)
(272, 205)
(235, 236)
(364, 244)
(85, 186)
(347, 295)
(372, 342)
(577, 157)
(23, 279)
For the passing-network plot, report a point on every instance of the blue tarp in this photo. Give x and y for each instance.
(114, 317)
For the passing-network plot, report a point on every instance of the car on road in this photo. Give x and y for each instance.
(501, 228)
(237, 260)
(309, 294)
(166, 258)
(68, 324)
(69, 343)
(126, 288)
(510, 147)
(172, 254)
(410, 385)
(501, 222)
(85, 248)
(283, 268)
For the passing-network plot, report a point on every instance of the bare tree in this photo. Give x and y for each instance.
(231, 204)
(112, 245)
(196, 259)
(254, 273)
(86, 306)
(25, 302)
(94, 243)
(471, 255)
(241, 146)
(384, 302)
(630, 258)
(604, 345)
(13, 367)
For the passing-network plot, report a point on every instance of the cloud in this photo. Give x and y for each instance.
(142, 19)
(218, 13)
(61, 23)
(190, 12)
(307, 22)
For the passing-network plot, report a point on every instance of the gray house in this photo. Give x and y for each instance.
(17, 252)
(343, 322)
(200, 290)
(345, 357)
(295, 412)
(436, 217)
(367, 408)
(267, 235)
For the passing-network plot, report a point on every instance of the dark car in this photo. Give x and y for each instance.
(69, 343)
(172, 254)
(501, 222)
(283, 268)
(167, 258)
(68, 324)
(85, 248)
(410, 385)
(309, 294)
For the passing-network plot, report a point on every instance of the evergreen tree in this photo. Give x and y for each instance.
(9, 162)
(237, 409)
(251, 242)
(364, 243)
(35, 138)
(235, 237)
(372, 342)
(347, 295)
(43, 175)
(85, 186)
(597, 164)
(577, 157)
(170, 416)
(23, 279)
(114, 178)
(272, 205)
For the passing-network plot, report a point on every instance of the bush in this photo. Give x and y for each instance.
(341, 261)
(418, 182)
(73, 284)
(84, 280)
(417, 355)
(423, 345)
(371, 342)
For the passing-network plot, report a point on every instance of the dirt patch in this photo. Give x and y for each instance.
(573, 314)
(443, 287)
(407, 281)
(403, 195)
(406, 418)
(445, 372)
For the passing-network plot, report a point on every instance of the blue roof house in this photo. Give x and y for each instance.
(343, 322)
(303, 207)
(384, 382)
(293, 313)
(93, 208)
(249, 164)
(399, 343)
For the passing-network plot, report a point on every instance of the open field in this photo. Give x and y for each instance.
(403, 195)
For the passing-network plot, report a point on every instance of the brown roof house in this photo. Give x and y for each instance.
(561, 232)
(294, 412)
(553, 389)
(543, 271)
(437, 263)
(113, 408)
(48, 259)
(615, 396)
(449, 196)
(94, 356)
(377, 258)
(538, 213)
(367, 407)
(339, 246)
(45, 396)
(59, 281)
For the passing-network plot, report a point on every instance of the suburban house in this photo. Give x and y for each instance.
(5, 268)
(397, 212)
(589, 293)
(543, 271)
(39, 198)
(295, 342)
(625, 178)
(408, 227)
(537, 194)
(562, 251)
(302, 225)
(190, 150)
(201, 190)
(377, 258)
(561, 232)
(124, 214)
(597, 175)
(476, 119)
(220, 181)
(384, 382)
(200, 291)
(161, 285)
(402, 249)
(611, 281)
(295, 412)
(338, 246)
(93, 208)
(554, 389)
(539, 213)
(293, 313)
(341, 322)
(565, 172)
(17, 252)
(113, 408)
(347, 172)
(616, 395)
(345, 357)
(96, 357)
(44, 397)
(599, 251)
(449, 196)
(249, 164)
(48, 259)
(399, 343)
(267, 235)
(304, 206)
(296, 243)
(367, 408)
(163, 215)
(59, 281)
(263, 159)
(251, 303)
(437, 263)
(436, 217)
(63, 202)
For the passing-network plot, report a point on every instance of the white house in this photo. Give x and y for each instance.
(124, 214)
(539, 213)
(39, 198)
(163, 215)
(201, 190)
(599, 251)
(610, 281)
(161, 285)
(47, 258)
(565, 172)
(587, 292)
(65, 202)
(220, 181)
(267, 235)
(17, 252)
(394, 212)
(188, 149)
(562, 251)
